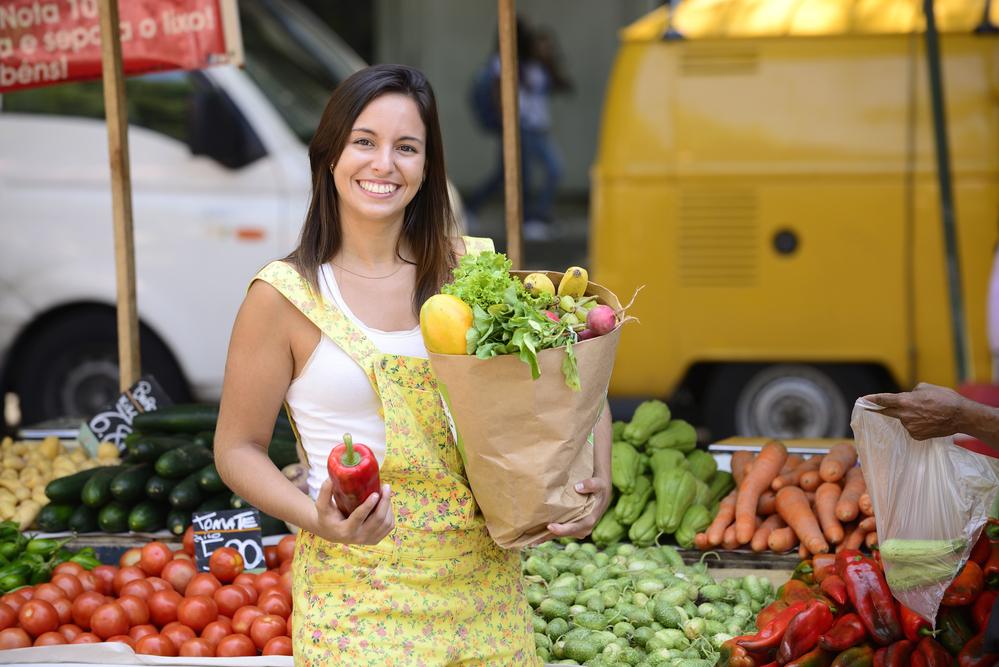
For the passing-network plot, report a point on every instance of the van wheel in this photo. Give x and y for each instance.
(784, 400)
(69, 366)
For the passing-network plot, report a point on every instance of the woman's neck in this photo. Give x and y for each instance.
(370, 245)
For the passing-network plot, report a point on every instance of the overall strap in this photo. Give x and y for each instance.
(476, 244)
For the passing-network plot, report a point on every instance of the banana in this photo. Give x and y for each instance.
(573, 282)
(538, 283)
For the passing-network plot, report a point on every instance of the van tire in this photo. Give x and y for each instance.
(67, 365)
(784, 400)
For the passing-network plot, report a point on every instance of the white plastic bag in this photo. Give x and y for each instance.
(931, 499)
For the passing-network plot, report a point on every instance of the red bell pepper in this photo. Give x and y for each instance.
(835, 588)
(879, 656)
(814, 658)
(914, 626)
(991, 567)
(353, 470)
(974, 655)
(771, 635)
(768, 613)
(954, 628)
(896, 655)
(933, 653)
(870, 595)
(965, 587)
(858, 656)
(803, 632)
(981, 551)
(846, 632)
(733, 655)
(981, 611)
(795, 590)
(823, 565)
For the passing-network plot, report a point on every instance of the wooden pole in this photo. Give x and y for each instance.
(511, 130)
(121, 194)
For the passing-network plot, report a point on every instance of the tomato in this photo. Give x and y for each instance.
(286, 548)
(50, 592)
(108, 620)
(84, 605)
(154, 556)
(38, 617)
(182, 555)
(64, 608)
(85, 638)
(88, 581)
(203, 583)
(275, 604)
(266, 580)
(188, 541)
(105, 578)
(290, 616)
(15, 602)
(163, 607)
(197, 611)
(271, 558)
(286, 584)
(70, 585)
(26, 593)
(214, 633)
(139, 588)
(266, 628)
(69, 567)
(155, 645)
(197, 648)
(14, 638)
(123, 639)
(226, 564)
(278, 646)
(70, 631)
(178, 573)
(125, 575)
(159, 584)
(285, 567)
(251, 592)
(235, 645)
(246, 578)
(135, 608)
(243, 619)
(137, 632)
(230, 598)
(178, 633)
(131, 557)
(50, 639)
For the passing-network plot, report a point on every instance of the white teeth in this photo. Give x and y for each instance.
(378, 188)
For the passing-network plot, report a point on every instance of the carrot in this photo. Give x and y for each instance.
(722, 520)
(868, 524)
(792, 505)
(825, 508)
(729, 542)
(855, 539)
(762, 534)
(739, 462)
(781, 540)
(840, 458)
(767, 504)
(810, 480)
(871, 539)
(865, 504)
(847, 507)
(810, 495)
(792, 477)
(765, 468)
(701, 541)
(793, 461)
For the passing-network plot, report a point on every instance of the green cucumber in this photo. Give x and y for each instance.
(205, 439)
(159, 488)
(182, 418)
(236, 502)
(113, 518)
(129, 485)
(148, 449)
(215, 503)
(177, 521)
(183, 461)
(147, 517)
(84, 520)
(97, 491)
(67, 490)
(270, 525)
(209, 480)
(282, 451)
(187, 494)
(54, 518)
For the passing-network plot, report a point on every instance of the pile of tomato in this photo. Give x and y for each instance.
(157, 602)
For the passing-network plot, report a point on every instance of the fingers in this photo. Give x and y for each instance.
(591, 485)
(361, 513)
(884, 400)
(578, 529)
(325, 504)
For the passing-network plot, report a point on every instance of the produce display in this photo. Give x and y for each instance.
(628, 605)
(30, 560)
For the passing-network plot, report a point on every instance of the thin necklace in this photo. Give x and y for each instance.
(359, 275)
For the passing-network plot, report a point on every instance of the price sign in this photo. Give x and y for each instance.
(238, 529)
(114, 422)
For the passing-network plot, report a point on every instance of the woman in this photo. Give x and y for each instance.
(411, 576)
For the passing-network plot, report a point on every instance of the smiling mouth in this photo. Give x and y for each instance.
(378, 188)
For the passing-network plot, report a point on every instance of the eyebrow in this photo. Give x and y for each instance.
(375, 134)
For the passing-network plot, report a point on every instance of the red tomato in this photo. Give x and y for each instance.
(70, 631)
(250, 591)
(266, 580)
(203, 583)
(266, 628)
(178, 633)
(109, 620)
(15, 602)
(137, 632)
(182, 555)
(235, 645)
(122, 639)
(197, 648)
(88, 581)
(286, 584)
(14, 638)
(197, 611)
(163, 607)
(271, 558)
(64, 608)
(274, 602)
(188, 541)
(155, 645)
(38, 617)
(285, 567)
(230, 598)
(215, 631)
(154, 556)
(84, 605)
(69, 567)
(159, 584)
(243, 619)
(246, 578)
(125, 575)
(50, 639)
(85, 638)
(135, 608)
(130, 557)
(26, 593)
(286, 548)
(50, 592)
(70, 585)
(278, 646)
(290, 616)
(178, 573)
(139, 588)
(226, 564)
(105, 578)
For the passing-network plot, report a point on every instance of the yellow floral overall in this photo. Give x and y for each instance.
(437, 590)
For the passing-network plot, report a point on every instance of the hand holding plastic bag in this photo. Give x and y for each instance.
(931, 499)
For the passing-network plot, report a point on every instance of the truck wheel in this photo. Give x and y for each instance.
(69, 367)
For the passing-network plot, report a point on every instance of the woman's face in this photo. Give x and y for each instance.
(382, 165)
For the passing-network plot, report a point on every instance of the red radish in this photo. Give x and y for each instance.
(552, 316)
(601, 320)
(587, 334)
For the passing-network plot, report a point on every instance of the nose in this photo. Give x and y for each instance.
(381, 161)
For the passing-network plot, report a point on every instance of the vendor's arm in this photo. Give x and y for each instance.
(935, 412)
(258, 372)
(599, 485)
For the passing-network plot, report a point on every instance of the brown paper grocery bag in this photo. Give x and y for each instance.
(527, 442)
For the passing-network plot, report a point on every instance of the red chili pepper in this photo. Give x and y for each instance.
(981, 611)
(733, 655)
(980, 552)
(858, 656)
(846, 632)
(918, 660)
(823, 565)
(769, 612)
(771, 635)
(835, 588)
(795, 590)
(991, 567)
(354, 472)
(965, 587)
(897, 655)
(974, 655)
(814, 658)
(803, 632)
(933, 653)
(914, 626)
(879, 656)
(870, 595)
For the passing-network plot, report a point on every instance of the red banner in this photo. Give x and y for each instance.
(43, 42)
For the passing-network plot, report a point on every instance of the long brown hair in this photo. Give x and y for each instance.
(428, 225)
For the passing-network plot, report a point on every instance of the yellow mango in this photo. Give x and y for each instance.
(444, 321)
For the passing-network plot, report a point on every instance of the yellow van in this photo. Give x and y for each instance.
(768, 170)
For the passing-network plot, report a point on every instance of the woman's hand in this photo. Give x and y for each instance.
(598, 487)
(368, 524)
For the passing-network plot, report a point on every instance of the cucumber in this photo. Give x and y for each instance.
(149, 448)
(67, 490)
(182, 418)
(187, 494)
(209, 480)
(236, 502)
(54, 518)
(177, 521)
(97, 491)
(84, 520)
(183, 461)
(270, 525)
(113, 518)
(215, 503)
(130, 484)
(159, 488)
(205, 439)
(147, 517)
(282, 452)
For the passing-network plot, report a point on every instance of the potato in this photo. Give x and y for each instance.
(7, 443)
(50, 447)
(7, 511)
(7, 496)
(25, 513)
(107, 450)
(21, 449)
(13, 462)
(39, 497)
(8, 473)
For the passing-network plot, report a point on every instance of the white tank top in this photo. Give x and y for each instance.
(333, 395)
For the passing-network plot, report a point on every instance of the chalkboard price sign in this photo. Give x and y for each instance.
(114, 422)
(238, 529)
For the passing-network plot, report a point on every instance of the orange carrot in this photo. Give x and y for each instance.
(762, 533)
(722, 520)
(840, 458)
(701, 541)
(729, 542)
(855, 539)
(792, 505)
(767, 504)
(865, 504)
(810, 495)
(868, 524)
(765, 468)
(825, 508)
(792, 462)
(871, 539)
(792, 477)
(809, 480)
(739, 462)
(781, 540)
(847, 507)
